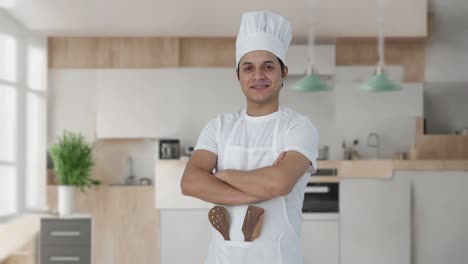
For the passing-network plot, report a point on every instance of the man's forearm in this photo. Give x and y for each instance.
(260, 183)
(210, 189)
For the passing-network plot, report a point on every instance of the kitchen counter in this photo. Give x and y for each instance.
(320, 216)
(385, 168)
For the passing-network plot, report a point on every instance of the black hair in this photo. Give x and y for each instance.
(279, 60)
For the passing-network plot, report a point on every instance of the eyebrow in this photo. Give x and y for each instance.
(249, 63)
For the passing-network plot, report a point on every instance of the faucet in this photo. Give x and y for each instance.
(374, 137)
(130, 179)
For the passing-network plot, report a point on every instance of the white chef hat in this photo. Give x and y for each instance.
(263, 30)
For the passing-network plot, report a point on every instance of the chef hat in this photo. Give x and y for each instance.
(263, 30)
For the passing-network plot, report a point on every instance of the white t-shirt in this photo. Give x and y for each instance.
(296, 132)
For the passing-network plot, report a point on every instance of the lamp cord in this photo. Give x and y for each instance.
(381, 40)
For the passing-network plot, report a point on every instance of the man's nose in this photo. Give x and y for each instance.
(259, 75)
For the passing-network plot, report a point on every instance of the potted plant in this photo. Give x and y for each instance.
(73, 160)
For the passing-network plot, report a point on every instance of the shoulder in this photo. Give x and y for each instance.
(229, 117)
(294, 119)
(224, 120)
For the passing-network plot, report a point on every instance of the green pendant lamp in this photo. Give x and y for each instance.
(380, 82)
(311, 83)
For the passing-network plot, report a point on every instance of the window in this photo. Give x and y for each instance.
(23, 93)
(8, 126)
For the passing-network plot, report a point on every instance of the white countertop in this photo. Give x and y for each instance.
(321, 216)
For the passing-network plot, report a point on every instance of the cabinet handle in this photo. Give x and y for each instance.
(317, 189)
(64, 258)
(65, 233)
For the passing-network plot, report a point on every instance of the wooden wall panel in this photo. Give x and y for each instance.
(155, 52)
(115, 52)
(444, 147)
(207, 52)
(435, 147)
(72, 52)
(410, 53)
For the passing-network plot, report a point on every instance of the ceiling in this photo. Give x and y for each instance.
(217, 18)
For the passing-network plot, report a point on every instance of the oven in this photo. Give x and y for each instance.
(322, 197)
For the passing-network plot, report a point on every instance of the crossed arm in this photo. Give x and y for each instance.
(235, 187)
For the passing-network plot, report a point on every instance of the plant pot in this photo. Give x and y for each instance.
(66, 200)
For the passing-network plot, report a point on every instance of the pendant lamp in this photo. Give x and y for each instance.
(311, 82)
(380, 82)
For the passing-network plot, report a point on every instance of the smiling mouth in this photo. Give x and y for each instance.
(259, 87)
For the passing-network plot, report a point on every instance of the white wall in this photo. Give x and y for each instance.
(446, 51)
(345, 113)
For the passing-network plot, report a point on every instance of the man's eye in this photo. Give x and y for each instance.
(248, 68)
(269, 67)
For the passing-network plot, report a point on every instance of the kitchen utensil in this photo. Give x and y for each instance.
(400, 156)
(189, 150)
(219, 219)
(323, 152)
(145, 181)
(464, 131)
(253, 222)
(373, 142)
(349, 152)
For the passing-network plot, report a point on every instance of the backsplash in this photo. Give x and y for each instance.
(111, 159)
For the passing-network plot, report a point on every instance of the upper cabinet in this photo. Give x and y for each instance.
(148, 103)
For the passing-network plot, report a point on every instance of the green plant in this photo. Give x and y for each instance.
(73, 160)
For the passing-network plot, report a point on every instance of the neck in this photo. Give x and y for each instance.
(261, 109)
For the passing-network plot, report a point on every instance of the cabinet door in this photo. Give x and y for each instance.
(127, 104)
(185, 236)
(163, 102)
(375, 221)
(320, 241)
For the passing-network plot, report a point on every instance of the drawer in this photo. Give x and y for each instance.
(65, 255)
(65, 232)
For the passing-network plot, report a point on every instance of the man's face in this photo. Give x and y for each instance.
(260, 76)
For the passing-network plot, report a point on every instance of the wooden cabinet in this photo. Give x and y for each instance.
(320, 240)
(125, 225)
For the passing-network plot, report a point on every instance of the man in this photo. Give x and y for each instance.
(263, 155)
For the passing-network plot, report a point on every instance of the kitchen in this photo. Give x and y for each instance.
(91, 78)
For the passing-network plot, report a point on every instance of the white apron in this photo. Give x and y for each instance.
(278, 243)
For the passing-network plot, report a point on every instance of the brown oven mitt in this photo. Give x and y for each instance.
(253, 222)
(219, 219)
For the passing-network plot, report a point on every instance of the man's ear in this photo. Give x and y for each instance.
(284, 74)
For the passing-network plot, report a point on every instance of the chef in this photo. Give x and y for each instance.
(261, 155)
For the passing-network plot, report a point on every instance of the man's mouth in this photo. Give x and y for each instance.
(260, 87)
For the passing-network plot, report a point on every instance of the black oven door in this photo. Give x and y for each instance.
(321, 198)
